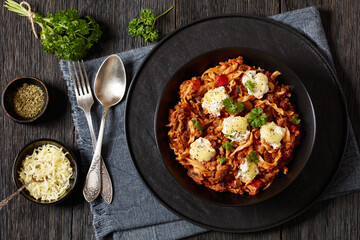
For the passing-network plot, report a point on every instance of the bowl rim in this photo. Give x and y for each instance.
(253, 199)
(45, 103)
(72, 187)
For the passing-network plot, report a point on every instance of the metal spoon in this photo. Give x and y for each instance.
(109, 88)
(4, 202)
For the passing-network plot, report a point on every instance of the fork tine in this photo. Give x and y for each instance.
(86, 78)
(83, 86)
(74, 82)
(78, 81)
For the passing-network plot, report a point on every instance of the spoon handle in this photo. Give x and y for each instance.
(92, 185)
(4, 202)
(106, 185)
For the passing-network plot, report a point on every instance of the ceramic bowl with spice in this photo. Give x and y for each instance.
(25, 99)
(50, 167)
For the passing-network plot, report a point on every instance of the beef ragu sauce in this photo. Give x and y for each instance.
(234, 128)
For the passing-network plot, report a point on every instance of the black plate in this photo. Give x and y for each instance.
(246, 32)
(252, 57)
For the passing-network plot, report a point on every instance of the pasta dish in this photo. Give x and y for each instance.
(234, 128)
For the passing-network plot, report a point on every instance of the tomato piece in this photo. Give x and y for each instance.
(185, 106)
(221, 80)
(257, 183)
(293, 128)
(197, 84)
(257, 142)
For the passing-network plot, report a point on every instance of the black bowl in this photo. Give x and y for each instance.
(9, 92)
(300, 98)
(28, 150)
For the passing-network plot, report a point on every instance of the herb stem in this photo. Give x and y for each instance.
(152, 27)
(15, 7)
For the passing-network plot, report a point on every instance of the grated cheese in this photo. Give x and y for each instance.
(49, 165)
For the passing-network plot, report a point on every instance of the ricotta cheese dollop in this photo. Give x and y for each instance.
(202, 150)
(236, 128)
(272, 134)
(259, 81)
(248, 171)
(213, 100)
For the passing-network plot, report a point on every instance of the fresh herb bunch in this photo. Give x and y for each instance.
(64, 33)
(144, 26)
(255, 119)
(231, 107)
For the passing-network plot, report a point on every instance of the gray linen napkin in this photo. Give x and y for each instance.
(134, 213)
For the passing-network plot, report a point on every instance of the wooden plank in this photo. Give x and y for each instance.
(189, 11)
(333, 219)
(269, 234)
(337, 218)
(23, 56)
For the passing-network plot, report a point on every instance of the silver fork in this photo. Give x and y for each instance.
(85, 100)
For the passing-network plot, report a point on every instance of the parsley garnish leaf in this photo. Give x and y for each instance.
(222, 160)
(255, 119)
(252, 157)
(229, 136)
(144, 26)
(295, 120)
(250, 85)
(228, 145)
(197, 125)
(231, 107)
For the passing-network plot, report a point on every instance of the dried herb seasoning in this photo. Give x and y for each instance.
(28, 100)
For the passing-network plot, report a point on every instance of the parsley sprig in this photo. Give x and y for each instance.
(64, 33)
(228, 145)
(295, 120)
(255, 119)
(144, 25)
(197, 125)
(250, 85)
(231, 107)
(252, 157)
(222, 160)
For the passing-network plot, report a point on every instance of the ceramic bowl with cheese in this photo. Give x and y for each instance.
(50, 167)
(270, 132)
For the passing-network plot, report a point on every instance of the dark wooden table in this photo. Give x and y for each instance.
(21, 55)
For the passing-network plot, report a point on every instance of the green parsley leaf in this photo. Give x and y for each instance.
(229, 136)
(228, 145)
(255, 119)
(64, 33)
(250, 85)
(252, 157)
(295, 120)
(222, 160)
(144, 26)
(197, 125)
(231, 107)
